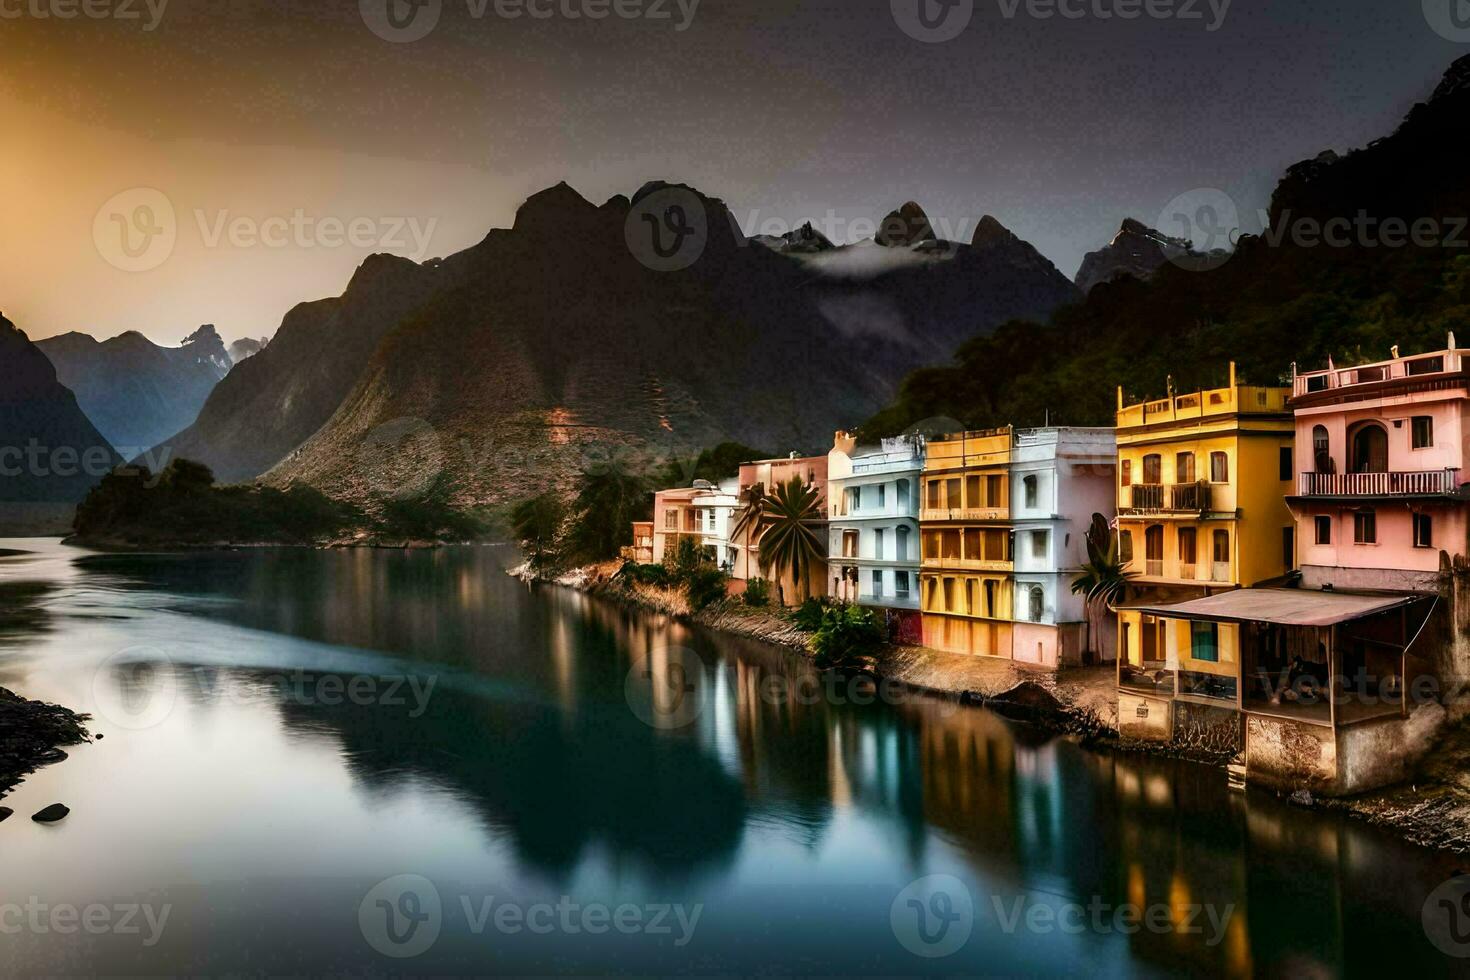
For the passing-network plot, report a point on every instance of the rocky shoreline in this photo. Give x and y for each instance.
(32, 734)
(1432, 810)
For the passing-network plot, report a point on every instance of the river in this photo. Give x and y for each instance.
(378, 762)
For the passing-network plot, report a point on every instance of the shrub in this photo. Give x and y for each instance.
(809, 616)
(758, 592)
(845, 636)
(706, 585)
(687, 557)
(644, 574)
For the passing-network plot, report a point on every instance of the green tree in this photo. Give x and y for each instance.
(537, 524)
(846, 635)
(789, 542)
(609, 499)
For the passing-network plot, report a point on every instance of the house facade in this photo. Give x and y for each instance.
(966, 587)
(1202, 483)
(1059, 478)
(873, 549)
(702, 512)
(770, 473)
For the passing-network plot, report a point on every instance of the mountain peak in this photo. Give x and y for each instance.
(990, 232)
(552, 208)
(1456, 79)
(909, 225)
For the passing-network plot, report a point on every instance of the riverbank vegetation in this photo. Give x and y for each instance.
(183, 506)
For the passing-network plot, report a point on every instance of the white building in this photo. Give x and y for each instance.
(873, 494)
(1060, 477)
(704, 511)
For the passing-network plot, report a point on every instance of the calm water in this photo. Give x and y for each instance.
(286, 731)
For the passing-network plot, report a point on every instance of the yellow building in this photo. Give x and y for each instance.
(1202, 486)
(965, 577)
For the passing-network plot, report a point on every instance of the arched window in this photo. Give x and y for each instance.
(1038, 604)
(1321, 450)
(1368, 447)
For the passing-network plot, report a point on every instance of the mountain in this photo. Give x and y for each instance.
(246, 347)
(50, 453)
(1291, 295)
(805, 239)
(133, 390)
(1136, 250)
(507, 366)
(908, 225)
(272, 402)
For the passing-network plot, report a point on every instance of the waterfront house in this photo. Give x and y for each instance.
(641, 551)
(1059, 478)
(965, 581)
(873, 550)
(766, 475)
(1381, 497)
(702, 512)
(1202, 484)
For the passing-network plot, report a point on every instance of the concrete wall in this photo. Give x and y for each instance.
(1145, 718)
(1379, 753)
(1290, 755)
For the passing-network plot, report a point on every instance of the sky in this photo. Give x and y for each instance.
(167, 163)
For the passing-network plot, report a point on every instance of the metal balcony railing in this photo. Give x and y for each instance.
(1401, 483)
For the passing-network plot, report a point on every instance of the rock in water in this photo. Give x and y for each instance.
(52, 813)
(5, 811)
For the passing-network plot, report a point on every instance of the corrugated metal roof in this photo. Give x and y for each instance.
(1283, 607)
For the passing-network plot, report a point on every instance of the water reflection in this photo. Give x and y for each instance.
(797, 818)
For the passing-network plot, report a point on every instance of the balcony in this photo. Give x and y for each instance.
(1403, 483)
(1205, 572)
(1439, 371)
(1156, 498)
(971, 564)
(976, 514)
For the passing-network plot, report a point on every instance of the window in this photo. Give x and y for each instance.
(877, 583)
(1286, 464)
(1365, 527)
(1125, 546)
(1425, 365)
(849, 544)
(990, 597)
(878, 544)
(671, 520)
(931, 488)
(1423, 531)
(1187, 536)
(1324, 529)
(1288, 547)
(994, 494)
(953, 488)
(1125, 473)
(1153, 468)
(1422, 432)
(1321, 450)
(903, 544)
(1219, 468)
(1030, 484)
(854, 499)
(901, 584)
(1204, 642)
(972, 493)
(1037, 610)
(949, 596)
(1039, 544)
(903, 495)
(1184, 468)
(1220, 547)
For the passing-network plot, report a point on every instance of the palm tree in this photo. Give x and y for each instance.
(749, 516)
(1103, 579)
(789, 541)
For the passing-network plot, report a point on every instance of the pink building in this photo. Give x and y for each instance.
(769, 473)
(1380, 462)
